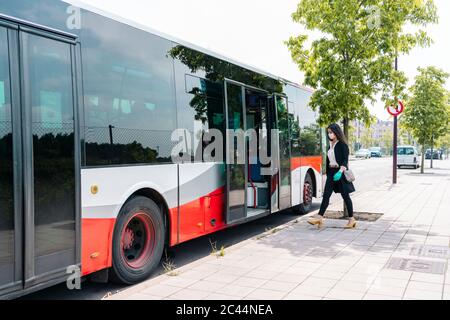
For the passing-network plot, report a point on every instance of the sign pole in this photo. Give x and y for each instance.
(394, 167)
(394, 152)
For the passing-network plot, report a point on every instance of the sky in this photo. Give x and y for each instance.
(254, 31)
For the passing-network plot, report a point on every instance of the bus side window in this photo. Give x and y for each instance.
(5, 114)
(51, 114)
(2, 97)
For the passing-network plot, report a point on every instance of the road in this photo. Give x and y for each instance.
(369, 173)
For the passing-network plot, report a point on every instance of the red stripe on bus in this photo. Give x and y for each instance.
(312, 161)
(96, 248)
(196, 216)
(173, 235)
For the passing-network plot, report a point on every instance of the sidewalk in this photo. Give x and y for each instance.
(403, 255)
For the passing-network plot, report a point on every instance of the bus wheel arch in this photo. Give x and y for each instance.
(139, 238)
(309, 191)
(314, 182)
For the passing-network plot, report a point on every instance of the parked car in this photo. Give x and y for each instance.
(363, 153)
(436, 154)
(407, 156)
(375, 152)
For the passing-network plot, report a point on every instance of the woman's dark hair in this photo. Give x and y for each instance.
(336, 129)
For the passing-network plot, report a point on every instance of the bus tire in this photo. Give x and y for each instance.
(308, 190)
(138, 241)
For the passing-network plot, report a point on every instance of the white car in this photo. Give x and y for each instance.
(407, 156)
(363, 153)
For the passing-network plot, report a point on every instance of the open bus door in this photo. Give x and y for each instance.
(236, 162)
(281, 184)
(248, 190)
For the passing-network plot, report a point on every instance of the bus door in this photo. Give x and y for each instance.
(282, 184)
(39, 167)
(248, 191)
(235, 152)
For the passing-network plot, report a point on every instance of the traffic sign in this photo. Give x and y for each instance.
(395, 111)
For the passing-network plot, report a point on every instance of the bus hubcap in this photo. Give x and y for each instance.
(138, 239)
(307, 193)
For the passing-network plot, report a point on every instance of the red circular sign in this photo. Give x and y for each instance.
(395, 111)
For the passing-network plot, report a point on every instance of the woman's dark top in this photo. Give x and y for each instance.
(341, 153)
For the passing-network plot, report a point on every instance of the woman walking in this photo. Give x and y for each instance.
(337, 163)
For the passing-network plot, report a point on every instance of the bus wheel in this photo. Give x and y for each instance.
(307, 195)
(138, 241)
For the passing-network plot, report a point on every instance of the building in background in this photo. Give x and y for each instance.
(379, 134)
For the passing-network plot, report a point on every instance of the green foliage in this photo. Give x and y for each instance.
(354, 60)
(444, 141)
(309, 136)
(427, 114)
(386, 141)
(352, 139)
(200, 104)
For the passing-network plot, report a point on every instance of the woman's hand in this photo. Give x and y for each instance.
(337, 176)
(343, 168)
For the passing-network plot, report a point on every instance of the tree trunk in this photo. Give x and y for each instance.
(423, 159)
(345, 122)
(432, 155)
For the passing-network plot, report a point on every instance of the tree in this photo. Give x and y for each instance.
(367, 138)
(404, 136)
(444, 142)
(353, 61)
(428, 113)
(352, 138)
(386, 141)
(308, 140)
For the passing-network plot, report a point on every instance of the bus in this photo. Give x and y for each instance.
(89, 103)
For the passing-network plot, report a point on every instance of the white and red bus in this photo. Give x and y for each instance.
(88, 106)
